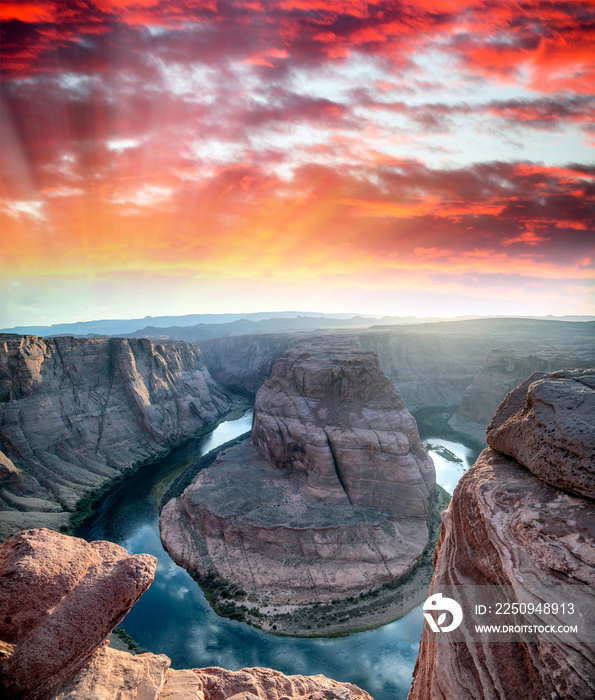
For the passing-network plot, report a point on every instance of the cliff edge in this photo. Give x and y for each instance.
(75, 412)
(523, 517)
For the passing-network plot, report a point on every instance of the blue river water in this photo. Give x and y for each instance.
(173, 617)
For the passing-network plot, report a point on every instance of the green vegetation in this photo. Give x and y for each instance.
(183, 479)
(85, 506)
(88, 503)
(338, 618)
(133, 647)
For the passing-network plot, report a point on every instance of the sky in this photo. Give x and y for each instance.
(427, 157)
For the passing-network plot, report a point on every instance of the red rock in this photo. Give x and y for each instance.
(506, 526)
(332, 500)
(60, 598)
(548, 425)
(266, 684)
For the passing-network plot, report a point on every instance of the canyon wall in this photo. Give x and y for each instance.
(426, 369)
(75, 412)
(524, 517)
(506, 367)
(331, 500)
(468, 364)
(60, 598)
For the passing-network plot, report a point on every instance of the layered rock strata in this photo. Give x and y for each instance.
(427, 369)
(508, 366)
(523, 516)
(332, 499)
(75, 412)
(60, 597)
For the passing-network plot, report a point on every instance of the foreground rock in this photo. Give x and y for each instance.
(506, 526)
(548, 425)
(60, 597)
(59, 600)
(75, 412)
(332, 500)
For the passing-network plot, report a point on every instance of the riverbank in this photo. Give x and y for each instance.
(85, 507)
(435, 420)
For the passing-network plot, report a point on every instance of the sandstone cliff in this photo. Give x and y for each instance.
(523, 516)
(60, 597)
(75, 412)
(331, 500)
(476, 362)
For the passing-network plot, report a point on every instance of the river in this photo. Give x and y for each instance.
(174, 618)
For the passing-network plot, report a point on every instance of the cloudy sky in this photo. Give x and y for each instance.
(430, 157)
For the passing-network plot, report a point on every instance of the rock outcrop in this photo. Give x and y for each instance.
(472, 364)
(75, 412)
(522, 516)
(60, 597)
(427, 369)
(331, 500)
(328, 412)
(548, 425)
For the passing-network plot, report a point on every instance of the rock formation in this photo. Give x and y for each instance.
(331, 500)
(59, 600)
(427, 369)
(523, 516)
(472, 364)
(60, 597)
(548, 425)
(75, 412)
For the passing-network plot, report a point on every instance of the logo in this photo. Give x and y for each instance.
(438, 603)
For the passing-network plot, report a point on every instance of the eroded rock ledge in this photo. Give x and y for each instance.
(522, 516)
(332, 500)
(60, 597)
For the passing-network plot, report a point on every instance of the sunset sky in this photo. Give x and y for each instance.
(427, 157)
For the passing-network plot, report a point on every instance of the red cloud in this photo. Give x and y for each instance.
(552, 43)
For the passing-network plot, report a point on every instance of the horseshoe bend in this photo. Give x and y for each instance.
(328, 506)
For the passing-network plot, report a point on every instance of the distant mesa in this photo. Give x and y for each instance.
(331, 499)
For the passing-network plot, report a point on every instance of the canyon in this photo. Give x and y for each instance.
(330, 500)
(523, 517)
(76, 413)
(468, 366)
